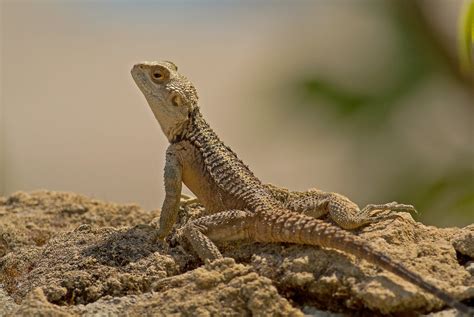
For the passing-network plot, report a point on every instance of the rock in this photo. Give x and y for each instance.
(62, 254)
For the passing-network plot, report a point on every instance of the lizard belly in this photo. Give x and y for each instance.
(200, 182)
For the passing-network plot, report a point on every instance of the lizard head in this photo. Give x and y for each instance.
(170, 95)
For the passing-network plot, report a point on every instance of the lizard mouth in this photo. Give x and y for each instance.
(141, 80)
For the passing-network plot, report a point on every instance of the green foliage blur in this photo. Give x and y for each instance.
(446, 195)
(466, 37)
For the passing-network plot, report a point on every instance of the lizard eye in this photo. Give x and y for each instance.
(159, 74)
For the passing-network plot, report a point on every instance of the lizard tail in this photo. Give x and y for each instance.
(286, 226)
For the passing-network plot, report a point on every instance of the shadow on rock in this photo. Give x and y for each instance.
(123, 247)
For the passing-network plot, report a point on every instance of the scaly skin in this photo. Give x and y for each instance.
(239, 205)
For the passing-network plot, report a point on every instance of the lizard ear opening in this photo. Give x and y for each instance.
(176, 100)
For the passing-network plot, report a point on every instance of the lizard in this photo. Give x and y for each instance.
(238, 205)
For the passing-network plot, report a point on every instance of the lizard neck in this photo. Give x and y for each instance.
(225, 168)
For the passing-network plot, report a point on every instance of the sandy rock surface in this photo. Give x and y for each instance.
(63, 254)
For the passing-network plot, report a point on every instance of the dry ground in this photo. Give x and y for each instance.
(63, 254)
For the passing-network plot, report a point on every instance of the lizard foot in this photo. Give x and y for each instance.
(159, 234)
(378, 212)
(187, 200)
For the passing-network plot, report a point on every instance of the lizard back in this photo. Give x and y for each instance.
(225, 169)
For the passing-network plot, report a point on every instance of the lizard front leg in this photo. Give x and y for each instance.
(173, 184)
(340, 209)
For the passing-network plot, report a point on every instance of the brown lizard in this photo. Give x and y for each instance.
(238, 204)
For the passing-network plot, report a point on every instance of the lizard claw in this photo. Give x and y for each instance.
(159, 234)
(378, 212)
(187, 200)
(393, 206)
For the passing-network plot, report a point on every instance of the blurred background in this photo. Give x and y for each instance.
(364, 98)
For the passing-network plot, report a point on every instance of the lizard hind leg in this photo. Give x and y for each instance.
(223, 226)
(340, 209)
